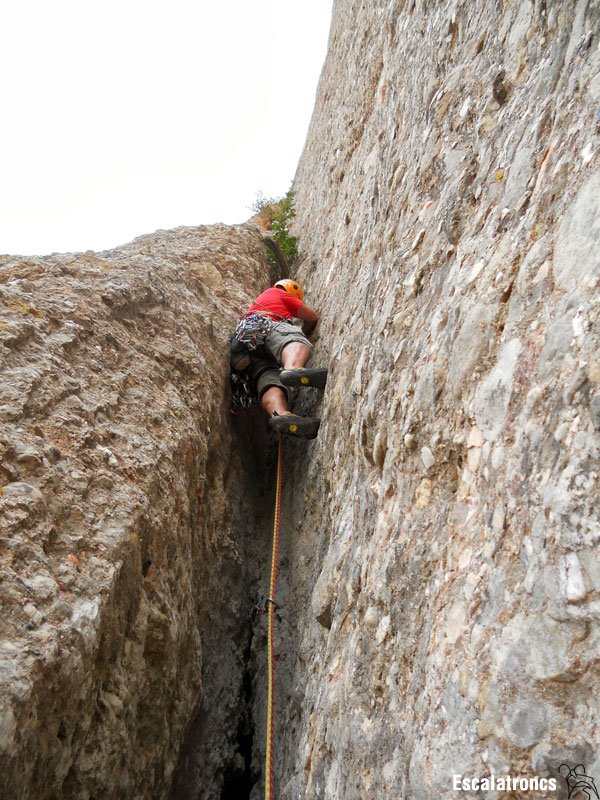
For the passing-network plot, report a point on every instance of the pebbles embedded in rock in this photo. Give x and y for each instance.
(474, 459)
(456, 622)
(423, 493)
(372, 617)
(25, 491)
(475, 271)
(475, 437)
(42, 587)
(574, 582)
(383, 629)
(410, 441)
(427, 457)
(29, 457)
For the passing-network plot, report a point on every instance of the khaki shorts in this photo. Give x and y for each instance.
(283, 333)
(265, 369)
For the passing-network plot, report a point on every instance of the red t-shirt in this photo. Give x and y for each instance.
(278, 302)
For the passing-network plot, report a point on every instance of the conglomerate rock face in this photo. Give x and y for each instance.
(438, 594)
(440, 590)
(123, 512)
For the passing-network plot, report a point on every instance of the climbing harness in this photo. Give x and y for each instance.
(249, 336)
(271, 605)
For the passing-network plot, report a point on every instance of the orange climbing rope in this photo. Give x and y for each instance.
(269, 778)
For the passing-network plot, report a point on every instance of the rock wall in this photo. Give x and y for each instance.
(439, 575)
(440, 581)
(124, 516)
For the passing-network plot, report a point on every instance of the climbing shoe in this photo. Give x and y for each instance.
(293, 425)
(304, 377)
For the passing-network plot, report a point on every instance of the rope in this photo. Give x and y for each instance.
(269, 778)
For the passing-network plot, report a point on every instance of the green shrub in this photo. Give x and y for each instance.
(276, 215)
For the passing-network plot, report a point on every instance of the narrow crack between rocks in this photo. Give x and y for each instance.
(237, 778)
(221, 757)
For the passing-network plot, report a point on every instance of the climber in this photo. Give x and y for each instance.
(273, 352)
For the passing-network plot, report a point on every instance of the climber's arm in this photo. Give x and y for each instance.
(309, 318)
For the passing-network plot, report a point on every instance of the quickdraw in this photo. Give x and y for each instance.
(253, 330)
(243, 393)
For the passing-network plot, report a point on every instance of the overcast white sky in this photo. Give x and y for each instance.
(124, 116)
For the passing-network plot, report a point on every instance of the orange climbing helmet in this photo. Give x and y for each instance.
(291, 287)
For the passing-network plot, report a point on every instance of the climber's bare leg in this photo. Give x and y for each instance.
(274, 400)
(294, 355)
